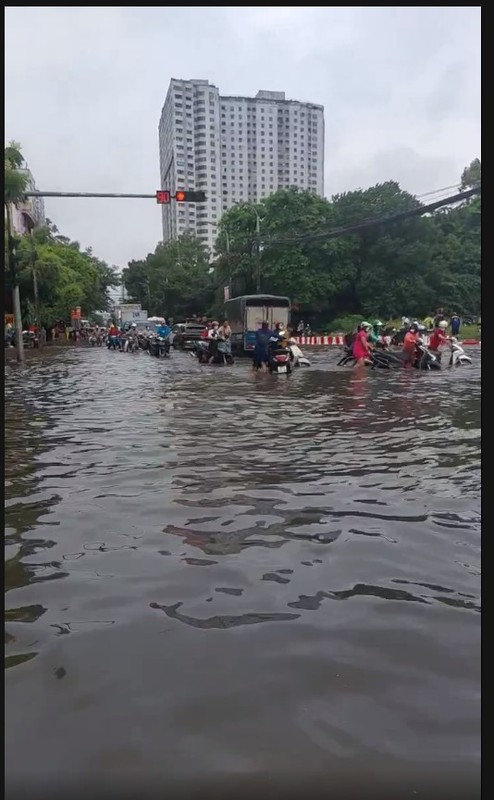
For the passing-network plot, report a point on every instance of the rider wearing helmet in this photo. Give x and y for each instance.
(375, 335)
(361, 349)
(213, 332)
(409, 343)
(439, 336)
(163, 330)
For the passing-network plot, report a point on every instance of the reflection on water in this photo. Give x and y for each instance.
(176, 539)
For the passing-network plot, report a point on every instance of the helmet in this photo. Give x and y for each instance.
(365, 325)
(134, 325)
(377, 323)
(406, 321)
(443, 324)
(415, 327)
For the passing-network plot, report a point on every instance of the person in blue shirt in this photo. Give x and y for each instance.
(261, 355)
(455, 323)
(163, 330)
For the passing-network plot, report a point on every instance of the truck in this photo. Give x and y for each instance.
(247, 313)
(128, 313)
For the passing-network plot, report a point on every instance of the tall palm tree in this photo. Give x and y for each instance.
(15, 183)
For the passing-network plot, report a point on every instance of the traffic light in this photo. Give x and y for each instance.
(162, 196)
(190, 197)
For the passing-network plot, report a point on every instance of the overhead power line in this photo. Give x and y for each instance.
(376, 221)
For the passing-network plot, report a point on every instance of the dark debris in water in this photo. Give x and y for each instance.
(272, 576)
(60, 672)
(224, 621)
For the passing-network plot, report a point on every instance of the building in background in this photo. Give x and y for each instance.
(236, 149)
(31, 213)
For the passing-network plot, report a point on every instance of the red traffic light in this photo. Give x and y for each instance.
(190, 197)
(162, 196)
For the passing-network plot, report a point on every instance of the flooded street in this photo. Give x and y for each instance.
(211, 572)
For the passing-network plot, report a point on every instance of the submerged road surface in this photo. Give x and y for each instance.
(220, 577)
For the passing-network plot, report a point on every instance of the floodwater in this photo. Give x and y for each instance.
(217, 576)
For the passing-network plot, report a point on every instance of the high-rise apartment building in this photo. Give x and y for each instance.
(236, 149)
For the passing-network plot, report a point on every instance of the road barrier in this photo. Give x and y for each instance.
(338, 340)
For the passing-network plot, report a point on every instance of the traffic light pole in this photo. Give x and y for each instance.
(16, 297)
(162, 196)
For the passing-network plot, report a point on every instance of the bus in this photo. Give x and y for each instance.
(247, 313)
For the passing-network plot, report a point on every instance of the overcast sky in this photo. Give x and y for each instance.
(85, 88)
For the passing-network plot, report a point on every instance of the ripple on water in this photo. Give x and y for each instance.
(178, 544)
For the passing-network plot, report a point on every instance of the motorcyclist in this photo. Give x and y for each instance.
(261, 356)
(163, 330)
(439, 336)
(133, 336)
(361, 348)
(279, 336)
(213, 336)
(409, 343)
(214, 330)
(376, 333)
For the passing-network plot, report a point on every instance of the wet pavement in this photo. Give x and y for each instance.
(213, 573)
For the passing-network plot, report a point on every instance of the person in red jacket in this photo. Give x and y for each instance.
(439, 336)
(409, 342)
(361, 349)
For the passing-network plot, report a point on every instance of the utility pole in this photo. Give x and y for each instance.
(16, 298)
(35, 284)
(258, 254)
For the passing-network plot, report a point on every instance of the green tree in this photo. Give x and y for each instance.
(174, 280)
(15, 181)
(471, 175)
(328, 257)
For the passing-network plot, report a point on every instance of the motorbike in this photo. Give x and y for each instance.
(424, 358)
(279, 360)
(133, 345)
(204, 349)
(159, 347)
(96, 340)
(382, 358)
(458, 356)
(297, 358)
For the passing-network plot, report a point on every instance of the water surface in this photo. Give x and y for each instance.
(213, 573)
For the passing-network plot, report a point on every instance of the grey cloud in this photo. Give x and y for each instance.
(85, 88)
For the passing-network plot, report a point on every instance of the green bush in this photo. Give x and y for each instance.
(343, 324)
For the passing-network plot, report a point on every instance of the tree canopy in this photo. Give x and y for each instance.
(66, 276)
(175, 280)
(401, 266)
